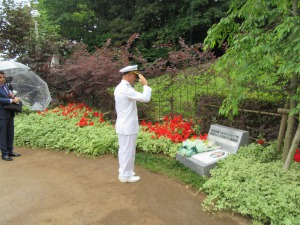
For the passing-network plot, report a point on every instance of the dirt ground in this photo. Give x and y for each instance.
(50, 187)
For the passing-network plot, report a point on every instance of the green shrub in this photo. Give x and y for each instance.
(55, 132)
(251, 184)
(146, 143)
(259, 152)
(58, 132)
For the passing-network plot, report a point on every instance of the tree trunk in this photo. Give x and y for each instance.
(290, 131)
(287, 149)
(294, 145)
(295, 7)
(282, 129)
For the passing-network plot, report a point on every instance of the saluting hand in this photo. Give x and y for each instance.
(142, 80)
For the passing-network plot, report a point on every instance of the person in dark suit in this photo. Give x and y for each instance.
(6, 120)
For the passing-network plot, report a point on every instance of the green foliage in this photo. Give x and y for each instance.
(260, 153)
(28, 36)
(253, 184)
(55, 132)
(16, 24)
(154, 53)
(75, 19)
(120, 29)
(99, 41)
(58, 132)
(262, 49)
(158, 21)
(167, 21)
(146, 143)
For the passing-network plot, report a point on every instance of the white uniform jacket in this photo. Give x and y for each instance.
(125, 99)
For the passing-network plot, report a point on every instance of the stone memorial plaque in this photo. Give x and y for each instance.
(228, 139)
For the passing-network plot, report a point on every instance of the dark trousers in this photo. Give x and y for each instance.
(6, 135)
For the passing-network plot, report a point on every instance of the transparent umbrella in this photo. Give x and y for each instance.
(28, 86)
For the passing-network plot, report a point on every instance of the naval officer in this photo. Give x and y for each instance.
(127, 124)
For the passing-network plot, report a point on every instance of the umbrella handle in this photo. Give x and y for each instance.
(10, 87)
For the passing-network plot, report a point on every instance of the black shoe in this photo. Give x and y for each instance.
(7, 158)
(13, 154)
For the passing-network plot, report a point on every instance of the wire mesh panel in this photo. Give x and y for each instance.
(200, 97)
(176, 94)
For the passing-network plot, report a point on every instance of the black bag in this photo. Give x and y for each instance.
(14, 107)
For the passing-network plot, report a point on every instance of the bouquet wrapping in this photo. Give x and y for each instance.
(193, 146)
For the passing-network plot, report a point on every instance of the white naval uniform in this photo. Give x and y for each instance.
(127, 124)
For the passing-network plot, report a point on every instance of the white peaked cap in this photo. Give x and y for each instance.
(129, 68)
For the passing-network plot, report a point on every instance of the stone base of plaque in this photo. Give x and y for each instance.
(197, 166)
(228, 139)
(201, 163)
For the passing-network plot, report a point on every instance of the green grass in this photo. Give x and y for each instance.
(171, 168)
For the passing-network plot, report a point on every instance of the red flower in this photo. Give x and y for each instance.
(261, 142)
(203, 137)
(101, 119)
(75, 110)
(176, 129)
(297, 156)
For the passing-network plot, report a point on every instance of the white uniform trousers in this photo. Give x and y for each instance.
(126, 154)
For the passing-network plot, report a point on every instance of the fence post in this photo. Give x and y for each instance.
(172, 105)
